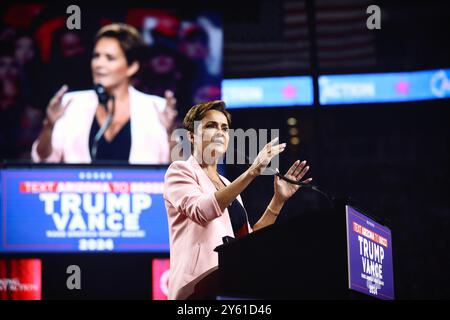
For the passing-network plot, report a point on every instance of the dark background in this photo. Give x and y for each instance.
(392, 159)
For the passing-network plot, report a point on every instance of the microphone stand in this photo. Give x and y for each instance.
(104, 127)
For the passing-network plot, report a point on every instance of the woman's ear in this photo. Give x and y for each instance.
(191, 136)
(132, 69)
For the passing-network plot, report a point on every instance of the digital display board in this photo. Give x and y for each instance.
(384, 87)
(67, 209)
(268, 92)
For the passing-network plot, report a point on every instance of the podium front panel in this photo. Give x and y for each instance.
(369, 249)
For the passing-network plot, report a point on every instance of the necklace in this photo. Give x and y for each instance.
(216, 182)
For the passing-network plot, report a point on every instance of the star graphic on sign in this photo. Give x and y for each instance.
(402, 87)
(289, 91)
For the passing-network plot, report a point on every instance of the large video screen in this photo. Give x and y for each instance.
(84, 209)
(44, 45)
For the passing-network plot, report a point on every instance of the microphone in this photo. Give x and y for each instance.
(103, 98)
(102, 95)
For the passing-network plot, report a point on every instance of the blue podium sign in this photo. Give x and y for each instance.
(369, 253)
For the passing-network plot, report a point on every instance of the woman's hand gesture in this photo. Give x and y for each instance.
(168, 115)
(283, 189)
(55, 109)
(266, 154)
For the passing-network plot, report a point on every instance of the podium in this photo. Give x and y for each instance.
(308, 256)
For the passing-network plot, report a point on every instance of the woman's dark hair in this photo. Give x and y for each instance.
(197, 112)
(129, 39)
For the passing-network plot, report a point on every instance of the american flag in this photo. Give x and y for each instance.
(276, 42)
(342, 37)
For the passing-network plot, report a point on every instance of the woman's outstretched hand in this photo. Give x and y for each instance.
(266, 154)
(55, 108)
(283, 189)
(168, 115)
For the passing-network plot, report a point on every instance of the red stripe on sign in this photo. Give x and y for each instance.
(37, 186)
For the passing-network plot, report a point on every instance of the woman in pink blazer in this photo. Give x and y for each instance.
(203, 206)
(138, 131)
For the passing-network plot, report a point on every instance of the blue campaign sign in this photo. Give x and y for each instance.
(83, 209)
(268, 92)
(384, 87)
(369, 254)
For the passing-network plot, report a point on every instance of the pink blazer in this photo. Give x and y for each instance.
(70, 137)
(196, 223)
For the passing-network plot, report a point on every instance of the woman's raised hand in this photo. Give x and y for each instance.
(266, 154)
(55, 109)
(283, 189)
(168, 115)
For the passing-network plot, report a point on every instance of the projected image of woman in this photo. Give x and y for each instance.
(203, 206)
(137, 133)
